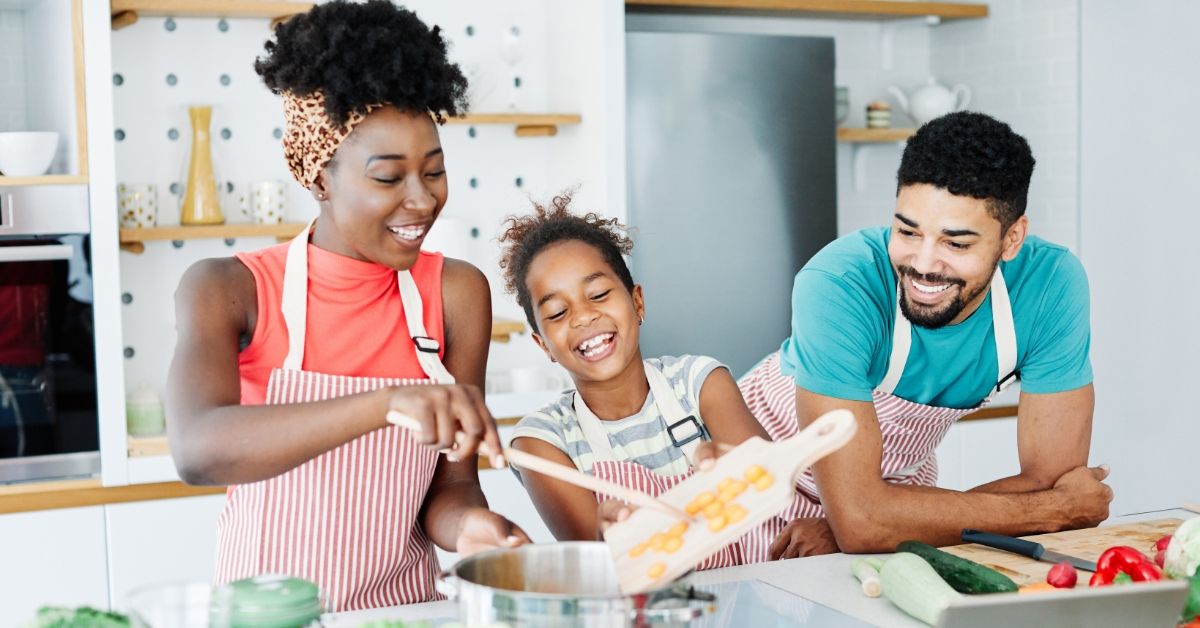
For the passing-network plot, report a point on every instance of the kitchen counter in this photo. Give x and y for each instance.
(825, 580)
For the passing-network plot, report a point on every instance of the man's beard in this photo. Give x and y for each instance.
(925, 316)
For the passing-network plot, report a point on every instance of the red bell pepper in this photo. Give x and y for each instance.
(1123, 559)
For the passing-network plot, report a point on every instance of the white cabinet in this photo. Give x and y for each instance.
(53, 557)
(152, 542)
(978, 452)
(506, 496)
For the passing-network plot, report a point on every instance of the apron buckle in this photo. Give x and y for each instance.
(425, 344)
(699, 431)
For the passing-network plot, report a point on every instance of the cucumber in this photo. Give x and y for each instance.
(912, 585)
(964, 575)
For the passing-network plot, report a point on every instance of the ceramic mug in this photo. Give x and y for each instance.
(262, 202)
(138, 205)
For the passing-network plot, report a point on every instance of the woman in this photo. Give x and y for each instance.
(289, 358)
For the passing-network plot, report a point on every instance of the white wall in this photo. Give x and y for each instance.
(1022, 65)
(1139, 168)
(12, 71)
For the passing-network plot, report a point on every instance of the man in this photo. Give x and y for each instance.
(913, 326)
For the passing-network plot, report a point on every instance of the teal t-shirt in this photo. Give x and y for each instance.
(843, 310)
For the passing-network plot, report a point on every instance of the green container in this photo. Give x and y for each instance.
(267, 601)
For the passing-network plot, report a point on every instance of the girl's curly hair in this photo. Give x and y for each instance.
(364, 54)
(526, 236)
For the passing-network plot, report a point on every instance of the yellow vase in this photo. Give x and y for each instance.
(201, 205)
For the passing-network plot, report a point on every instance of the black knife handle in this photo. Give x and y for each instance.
(1006, 543)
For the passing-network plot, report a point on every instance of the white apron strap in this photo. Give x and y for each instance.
(294, 301)
(1003, 329)
(294, 304)
(414, 315)
(901, 342)
(686, 431)
(593, 432)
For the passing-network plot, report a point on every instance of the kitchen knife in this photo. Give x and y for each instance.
(1033, 550)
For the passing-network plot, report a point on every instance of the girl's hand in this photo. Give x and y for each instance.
(611, 511)
(480, 529)
(452, 417)
(706, 454)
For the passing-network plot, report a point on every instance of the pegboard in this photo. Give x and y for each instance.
(162, 65)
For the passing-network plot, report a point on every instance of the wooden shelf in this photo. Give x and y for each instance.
(835, 9)
(527, 124)
(46, 179)
(874, 136)
(133, 240)
(36, 496)
(127, 12)
(503, 329)
(991, 412)
(141, 446)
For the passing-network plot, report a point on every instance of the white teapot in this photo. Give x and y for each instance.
(931, 100)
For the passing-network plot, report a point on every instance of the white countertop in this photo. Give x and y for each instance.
(822, 579)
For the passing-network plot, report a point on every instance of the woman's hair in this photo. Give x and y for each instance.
(526, 236)
(363, 54)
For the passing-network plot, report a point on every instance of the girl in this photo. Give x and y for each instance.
(633, 421)
(289, 358)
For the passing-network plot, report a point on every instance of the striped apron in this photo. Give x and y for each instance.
(911, 431)
(633, 475)
(347, 519)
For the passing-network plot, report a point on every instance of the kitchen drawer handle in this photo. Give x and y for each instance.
(36, 253)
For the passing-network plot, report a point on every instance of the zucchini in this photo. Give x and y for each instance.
(964, 575)
(912, 585)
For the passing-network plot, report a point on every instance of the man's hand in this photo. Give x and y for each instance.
(1084, 497)
(481, 529)
(810, 536)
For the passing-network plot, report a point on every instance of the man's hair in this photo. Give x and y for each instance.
(971, 154)
(358, 55)
(526, 236)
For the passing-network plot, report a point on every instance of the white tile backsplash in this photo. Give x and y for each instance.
(1022, 62)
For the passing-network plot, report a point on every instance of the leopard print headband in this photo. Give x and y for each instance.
(312, 137)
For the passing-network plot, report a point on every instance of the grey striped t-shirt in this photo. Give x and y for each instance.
(641, 438)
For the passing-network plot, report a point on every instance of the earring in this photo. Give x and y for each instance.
(320, 196)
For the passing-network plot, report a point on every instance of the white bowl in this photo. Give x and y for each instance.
(27, 153)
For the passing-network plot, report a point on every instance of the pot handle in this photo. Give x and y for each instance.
(684, 614)
(446, 583)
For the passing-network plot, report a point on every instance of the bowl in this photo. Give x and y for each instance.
(27, 153)
(171, 605)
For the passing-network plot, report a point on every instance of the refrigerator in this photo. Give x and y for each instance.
(731, 182)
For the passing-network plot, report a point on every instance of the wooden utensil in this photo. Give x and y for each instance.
(645, 560)
(549, 468)
(1088, 543)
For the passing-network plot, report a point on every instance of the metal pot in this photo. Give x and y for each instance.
(562, 584)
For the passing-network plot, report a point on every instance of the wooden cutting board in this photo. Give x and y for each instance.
(1087, 544)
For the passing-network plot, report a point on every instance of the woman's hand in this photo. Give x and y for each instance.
(480, 529)
(809, 536)
(452, 417)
